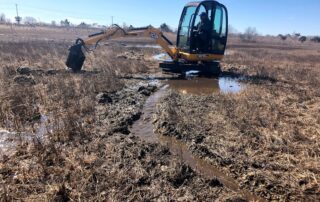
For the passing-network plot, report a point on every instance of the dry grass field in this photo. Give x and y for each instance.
(267, 136)
(82, 150)
(69, 134)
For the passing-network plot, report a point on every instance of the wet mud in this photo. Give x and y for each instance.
(241, 137)
(205, 86)
(144, 129)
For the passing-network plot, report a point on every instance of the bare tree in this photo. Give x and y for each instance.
(297, 35)
(288, 36)
(65, 23)
(83, 25)
(29, 20)
(53, 23)
(302, 39)
(165, 28)
(249, 35)
(316, 39)
(282, 37)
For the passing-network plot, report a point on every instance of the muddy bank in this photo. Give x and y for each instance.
(252, 136)
(265, 136)
(118, 168)
(89, 154)
(117, 111)
(144, 129)
(105, 162)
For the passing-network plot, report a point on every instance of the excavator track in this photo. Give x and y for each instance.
(210, 69)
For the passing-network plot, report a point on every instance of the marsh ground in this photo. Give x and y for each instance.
(265, 137)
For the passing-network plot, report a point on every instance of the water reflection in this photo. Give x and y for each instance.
(205, 86)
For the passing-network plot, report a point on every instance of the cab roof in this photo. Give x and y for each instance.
(197, 3)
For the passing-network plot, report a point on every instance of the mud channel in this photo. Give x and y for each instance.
(144, 128)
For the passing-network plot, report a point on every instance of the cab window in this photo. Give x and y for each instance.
(186, 27)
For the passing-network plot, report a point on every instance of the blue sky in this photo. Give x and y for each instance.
(268, 16)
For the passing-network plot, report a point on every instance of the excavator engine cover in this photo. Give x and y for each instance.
(76, 58)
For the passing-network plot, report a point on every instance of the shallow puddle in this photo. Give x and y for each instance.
(205, 86)
(44, 127)
(143, 128)
(7, 140)
(10, 140)
(142, 46)
(162, 57)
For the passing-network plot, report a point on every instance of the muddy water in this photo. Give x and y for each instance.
(10, 140)
(142, 46)
(205, 86)
(6, 140)
(162, 57)
(143, 128)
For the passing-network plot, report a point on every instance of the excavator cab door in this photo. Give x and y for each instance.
(185, 28)
(216, 38)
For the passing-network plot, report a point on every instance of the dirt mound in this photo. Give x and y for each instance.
(103, 98)
(131, 55)
(28, 71)
(24, 80)
(24, 70)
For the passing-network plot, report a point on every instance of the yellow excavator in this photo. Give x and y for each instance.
(186, 55)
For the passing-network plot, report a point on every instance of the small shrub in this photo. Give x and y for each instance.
(302, 39)
(282, 37)
(316, 39)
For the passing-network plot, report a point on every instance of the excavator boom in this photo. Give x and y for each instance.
(77, 57)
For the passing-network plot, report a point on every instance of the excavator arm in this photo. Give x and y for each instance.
(76, 55)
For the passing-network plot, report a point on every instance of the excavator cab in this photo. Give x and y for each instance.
(217, 37)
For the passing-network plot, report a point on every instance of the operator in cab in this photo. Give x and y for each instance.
(202, 33)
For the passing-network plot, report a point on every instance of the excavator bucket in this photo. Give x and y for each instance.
(76, 57)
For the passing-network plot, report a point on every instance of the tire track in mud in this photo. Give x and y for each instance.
(143, 128)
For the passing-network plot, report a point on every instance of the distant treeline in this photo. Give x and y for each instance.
(31, 21)
(251, 34)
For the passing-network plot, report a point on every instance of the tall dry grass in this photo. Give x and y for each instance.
(297, 64)
(74, 161)
(267, 136)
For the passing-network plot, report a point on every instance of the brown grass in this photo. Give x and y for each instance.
(267, 137)
(77, 158)
(24, 33)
